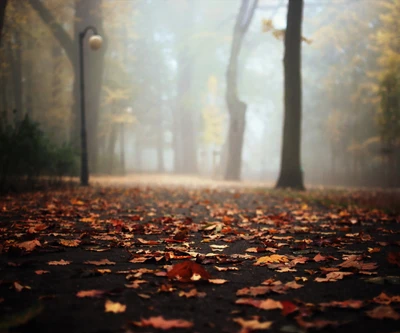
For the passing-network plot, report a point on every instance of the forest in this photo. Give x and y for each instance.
(192, 87)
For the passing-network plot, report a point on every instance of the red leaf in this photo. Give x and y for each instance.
(188, 271)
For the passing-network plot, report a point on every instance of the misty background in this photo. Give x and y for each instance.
(155, 91)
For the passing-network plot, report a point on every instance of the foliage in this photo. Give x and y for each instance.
(26, 153)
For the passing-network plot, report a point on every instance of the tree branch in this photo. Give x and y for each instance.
(57, 30)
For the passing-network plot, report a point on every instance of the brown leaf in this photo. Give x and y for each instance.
(253, 291)
(382, 312)
(274, 258)
(40, 272)
(253, 324)
(19, 287)
(114, 307)
(319, 258)
(217, 281)
(90, 293)
(188, 271)
(70, 242)
(135, 284)
(353, 304)
(61, 262)
(101, 262)
(333, 276)
(191, 293)
(28, 246)
(164, 324)
(385, 299)
(268, 304)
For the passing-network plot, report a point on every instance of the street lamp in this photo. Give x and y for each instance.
(95, 43)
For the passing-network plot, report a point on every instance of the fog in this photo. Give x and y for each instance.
(155, 93)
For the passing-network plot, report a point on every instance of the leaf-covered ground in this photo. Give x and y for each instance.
(145, 259)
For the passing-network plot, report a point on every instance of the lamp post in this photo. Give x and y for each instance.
(95, 43)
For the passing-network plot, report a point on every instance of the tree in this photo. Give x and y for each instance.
(86, 13)
(291, 175)
(3, 5)
(236, 107)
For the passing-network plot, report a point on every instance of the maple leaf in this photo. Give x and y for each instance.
(114, 307)
(101, 262)
(253, 324)
(274, 258)
(61, 262)
(268, 304)
(163, 324)
(90, 293)
(382, 312)
(188, 271)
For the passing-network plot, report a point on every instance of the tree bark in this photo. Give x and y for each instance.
(237, 108)
(291, 175)
(3, 5)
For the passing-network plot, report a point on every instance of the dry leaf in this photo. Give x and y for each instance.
(217, 281)
(101, 262)
(164, 324)
(70, 242)
(192, 293)
(61, 262)
(333, 276)
(28, 245)
(274, 258)
(382, 312)
(253, 324)
(90, 293)
(135, 284)
(268, 304)
(114, 307)
(188, 271)
(40, 272)
(19, 287)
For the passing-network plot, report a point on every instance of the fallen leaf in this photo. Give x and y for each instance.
(394, 258)
(188, 271)
(114, 307)
(253, 324)
(101, 262)
(382, 312)
(352, 304)
(90, 293)
(191, 293)
(333, 276)
(385, 299)
(163, 324)
(274, 258)
(28, 246)
(253, 291)
(224, 269)
(268, 304)
(217, 281)
(135, 284)
(40, 272)
(61, 262)
(19, 287)
(70, 242)
(319, 258)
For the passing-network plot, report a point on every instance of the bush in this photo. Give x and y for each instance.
(26, 154)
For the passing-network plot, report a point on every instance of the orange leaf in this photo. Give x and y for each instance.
(254, 324)
(383, 311)
(90, 293)
(164, 324)
(274, 258)
(61, 262)
(268, 304)
(114, 307)
(100, 262)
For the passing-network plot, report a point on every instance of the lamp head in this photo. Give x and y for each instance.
(95, 42)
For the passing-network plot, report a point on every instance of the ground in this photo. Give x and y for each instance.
(199, 258)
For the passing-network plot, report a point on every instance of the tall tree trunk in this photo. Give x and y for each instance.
(3, 5)
(16, 70)
(237, 108)
(291, 175)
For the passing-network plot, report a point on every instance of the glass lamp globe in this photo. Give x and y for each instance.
(95, 42)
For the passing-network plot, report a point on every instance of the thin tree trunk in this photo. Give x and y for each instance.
(291, 175)
(237, 108)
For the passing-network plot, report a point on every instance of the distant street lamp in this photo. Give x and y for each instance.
(95, 43)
